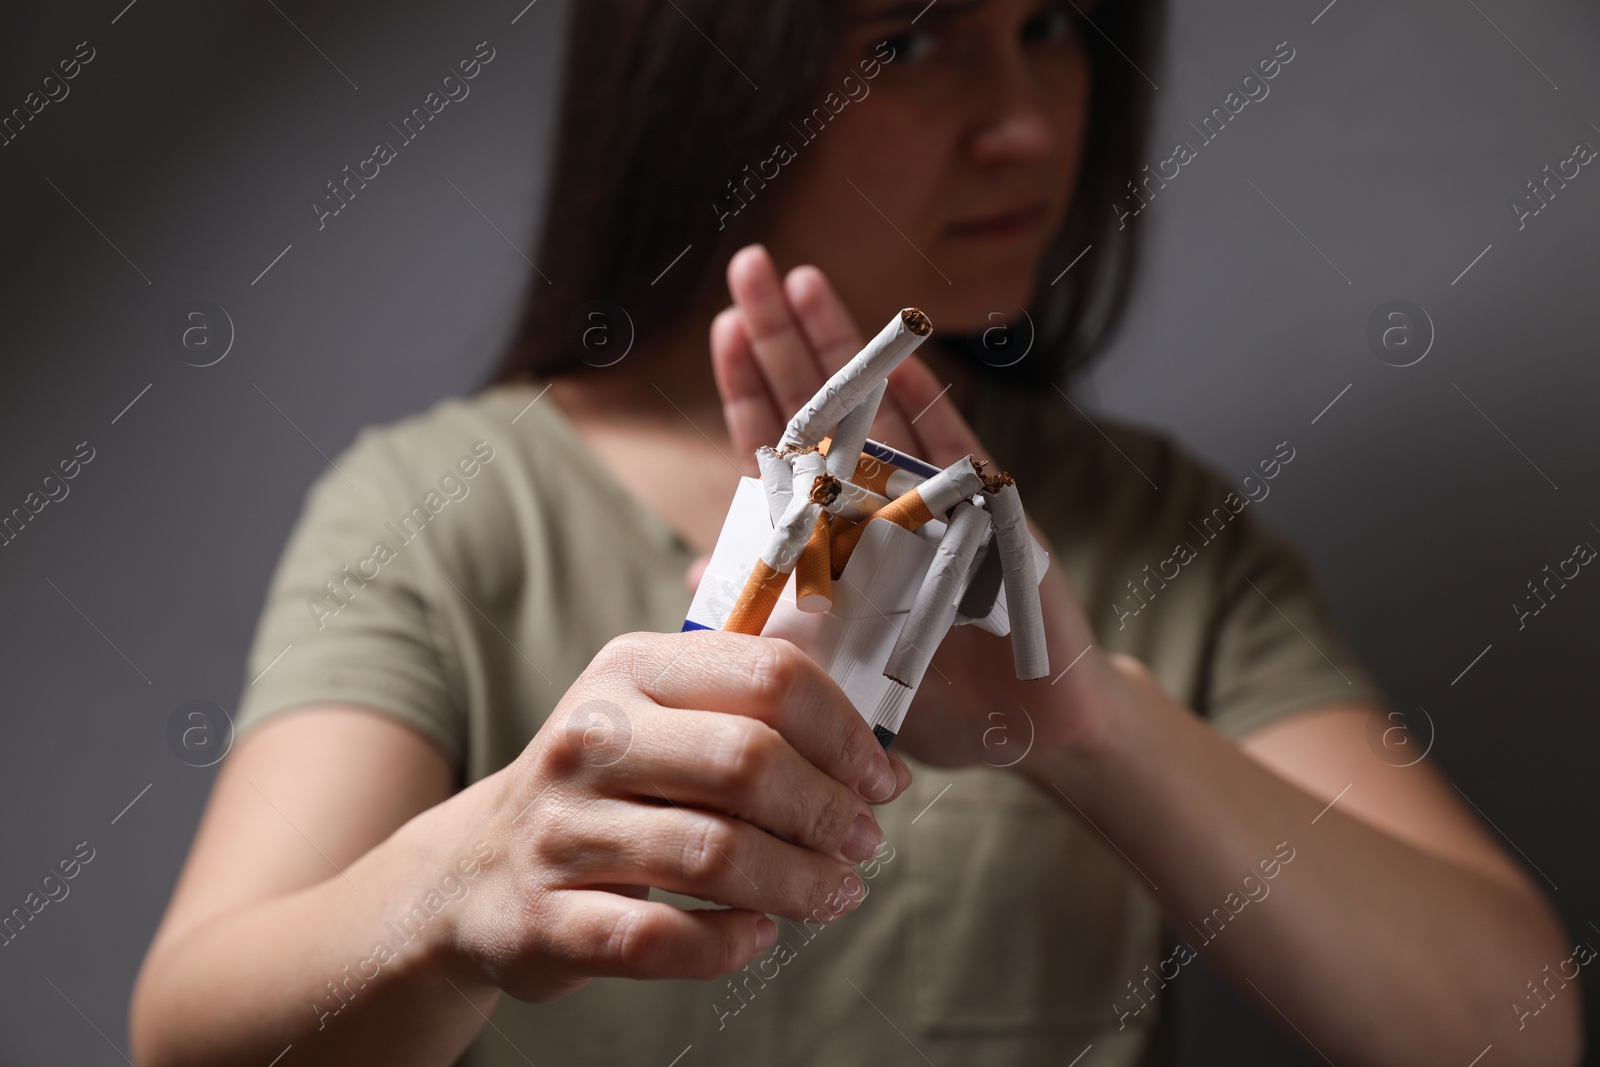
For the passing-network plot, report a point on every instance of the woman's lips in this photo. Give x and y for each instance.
(1002, 226)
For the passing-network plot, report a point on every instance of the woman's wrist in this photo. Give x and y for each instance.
(444, 858)
(1094, 722)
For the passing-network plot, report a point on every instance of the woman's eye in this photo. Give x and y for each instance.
(1053, 25)
(907, 47)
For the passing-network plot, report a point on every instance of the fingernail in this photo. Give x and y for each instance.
(864, 839)
(879, 782)
(850, 897)
(902, 774)
(766, 933)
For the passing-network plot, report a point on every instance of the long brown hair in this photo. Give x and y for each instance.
(655, 117)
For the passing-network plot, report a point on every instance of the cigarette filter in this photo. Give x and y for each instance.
(883, 478)
(856, 380)
(854, 502)
(813, 589)
(788, 538)
(928, 500)
(935, 607)
(857, 499)
(1021, 584)
(750, 612)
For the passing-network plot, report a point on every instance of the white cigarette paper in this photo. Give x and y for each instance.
(934, 609)
(810, 490)
(793, 528)
(1021, 583)
(856, 380)
(927, 500)
(901, 482)
(844, 453)
(955, 483)
(777, 478)
(978, 557)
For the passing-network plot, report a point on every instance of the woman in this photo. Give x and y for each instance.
(436, 836)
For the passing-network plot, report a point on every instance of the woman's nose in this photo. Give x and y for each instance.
(1011, 122)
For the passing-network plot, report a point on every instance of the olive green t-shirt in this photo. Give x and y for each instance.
(452, 572)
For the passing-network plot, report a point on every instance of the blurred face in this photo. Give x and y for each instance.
(944, 160)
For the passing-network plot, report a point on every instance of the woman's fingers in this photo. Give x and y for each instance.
(609, 935)
(702, 854)
(747, 406)
(774, 349)
(824, 320)
(764, 679)
(738, 765)
(941, 436)
(790, 365)
(832, 333)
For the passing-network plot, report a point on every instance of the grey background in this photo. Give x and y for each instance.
(197, 136)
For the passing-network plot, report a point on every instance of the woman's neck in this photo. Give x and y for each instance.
(661, 381)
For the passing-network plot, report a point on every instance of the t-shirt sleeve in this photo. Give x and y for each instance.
(1273, 649)
(349, 616)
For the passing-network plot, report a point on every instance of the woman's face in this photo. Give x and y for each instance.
(944, 160)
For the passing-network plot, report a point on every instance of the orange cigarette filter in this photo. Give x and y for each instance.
(873, 473)
(870, 473)
(908, 511)
(765, 584)
(813, 590)
(756, 601)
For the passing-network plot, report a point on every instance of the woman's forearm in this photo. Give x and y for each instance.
(1354, 924)
(358, 968)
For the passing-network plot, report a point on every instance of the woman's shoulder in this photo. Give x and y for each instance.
(493, 442)
(463, 470)
(491, 420)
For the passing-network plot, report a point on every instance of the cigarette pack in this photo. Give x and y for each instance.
(871, 598)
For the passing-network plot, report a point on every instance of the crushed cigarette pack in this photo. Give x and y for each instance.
(887, 552)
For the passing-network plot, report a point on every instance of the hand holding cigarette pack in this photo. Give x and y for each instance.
(887, 552)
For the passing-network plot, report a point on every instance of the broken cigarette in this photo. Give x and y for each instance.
(811, 489)
(935, 606)
(857, 380)
(862, 493)
(851, 433)
(813, 584)
(913, 508)
(883, 478)
(777, 478)
(1021, 583)
(854, 502)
